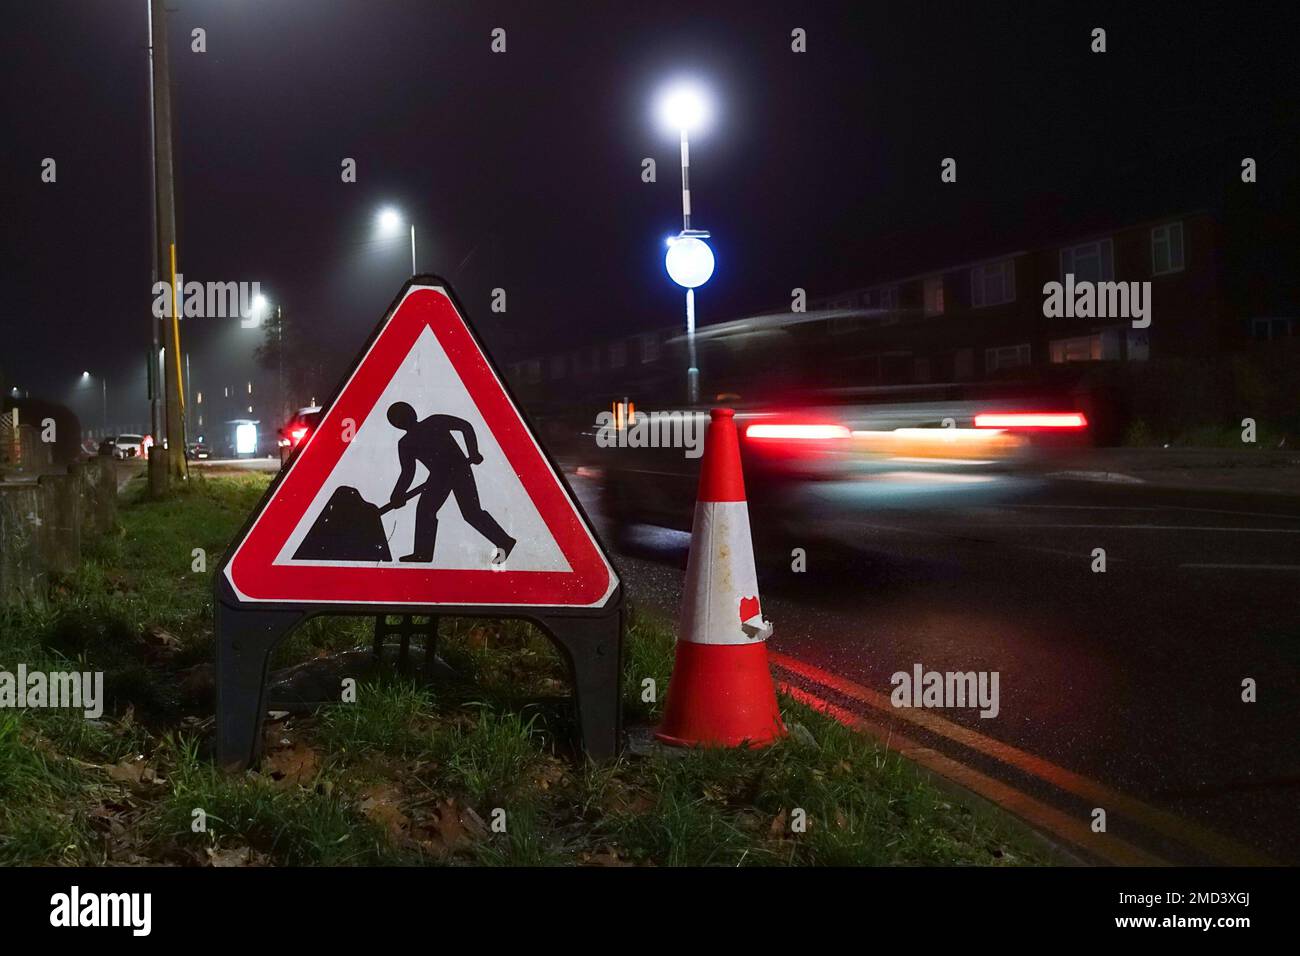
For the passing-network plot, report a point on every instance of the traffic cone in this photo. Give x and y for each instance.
(721, 693)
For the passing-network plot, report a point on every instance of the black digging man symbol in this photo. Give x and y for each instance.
(429, 442)
(349, 527)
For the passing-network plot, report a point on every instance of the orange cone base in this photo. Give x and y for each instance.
(721, 695)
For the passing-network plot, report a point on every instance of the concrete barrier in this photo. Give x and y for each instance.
(60, 527)
(97, 482)
(23, 578)
(43, 523)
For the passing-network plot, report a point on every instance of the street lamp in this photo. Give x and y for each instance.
(390, 222)
(684, 107)
(261, 307)
(86, 379)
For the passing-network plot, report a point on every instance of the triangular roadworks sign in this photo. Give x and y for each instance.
(422, 484)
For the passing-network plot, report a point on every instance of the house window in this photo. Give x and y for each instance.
(649, 347)
(1084, 348)
(1006, 356)
(1267, 329)
(1167, 249)
(934, 296)
(889, 297)
(1089, 262)
(617, 354)
(993, 283)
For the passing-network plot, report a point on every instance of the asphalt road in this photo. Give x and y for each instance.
(1120, 690)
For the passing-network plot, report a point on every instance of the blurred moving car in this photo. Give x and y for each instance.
(106, 448)
(296, 431)
(814, 459)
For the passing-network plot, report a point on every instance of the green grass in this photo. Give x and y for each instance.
(490, 758)
(386, 717)
(408, 774)
(301, 825)
(40, 821)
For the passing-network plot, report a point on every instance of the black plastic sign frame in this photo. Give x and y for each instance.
(247, 632)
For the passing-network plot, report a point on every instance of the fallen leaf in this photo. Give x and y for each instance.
(778, 824)
(608, 857)
(292, 766)
(235, 856)
(128, 771)
(380, 805)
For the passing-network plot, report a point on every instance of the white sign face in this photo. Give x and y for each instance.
(422, 485)
(371, 464)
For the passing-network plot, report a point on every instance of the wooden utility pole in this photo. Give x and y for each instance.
(173, 394)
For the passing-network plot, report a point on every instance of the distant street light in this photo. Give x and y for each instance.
(390, 223)
(684, 107)
(262, 307)
(86, 379)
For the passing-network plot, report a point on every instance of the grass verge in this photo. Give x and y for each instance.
(476, 770)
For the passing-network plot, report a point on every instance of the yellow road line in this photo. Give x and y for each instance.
(1169, 824)
(1062, 825)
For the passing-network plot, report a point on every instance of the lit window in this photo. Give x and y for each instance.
(1089, 262)
(1167, 249)
(1006, 356)
(1084, 348)
(993, 283)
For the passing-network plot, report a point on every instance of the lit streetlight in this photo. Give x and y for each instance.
(685, 107)
(86, 379)
(390, 223)
(261, 308)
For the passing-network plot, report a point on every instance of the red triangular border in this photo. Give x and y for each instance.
(255, 577)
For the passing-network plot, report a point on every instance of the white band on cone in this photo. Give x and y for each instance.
(720, 604)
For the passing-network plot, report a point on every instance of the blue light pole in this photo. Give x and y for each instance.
(689, 259)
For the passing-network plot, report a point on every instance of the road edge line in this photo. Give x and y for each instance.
(1161, 821)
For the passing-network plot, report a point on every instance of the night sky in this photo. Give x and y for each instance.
(522, 170)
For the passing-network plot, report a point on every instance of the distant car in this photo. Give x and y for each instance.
(199, 451)
(131, 446)
(296, 431)
(106, 448)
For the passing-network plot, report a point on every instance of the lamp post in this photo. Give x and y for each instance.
(689, 260)
(261, 307)
(390, 220)
(86, 378)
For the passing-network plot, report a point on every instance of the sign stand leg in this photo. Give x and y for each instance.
(245, 640)
(430, 647)
(593, 647)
